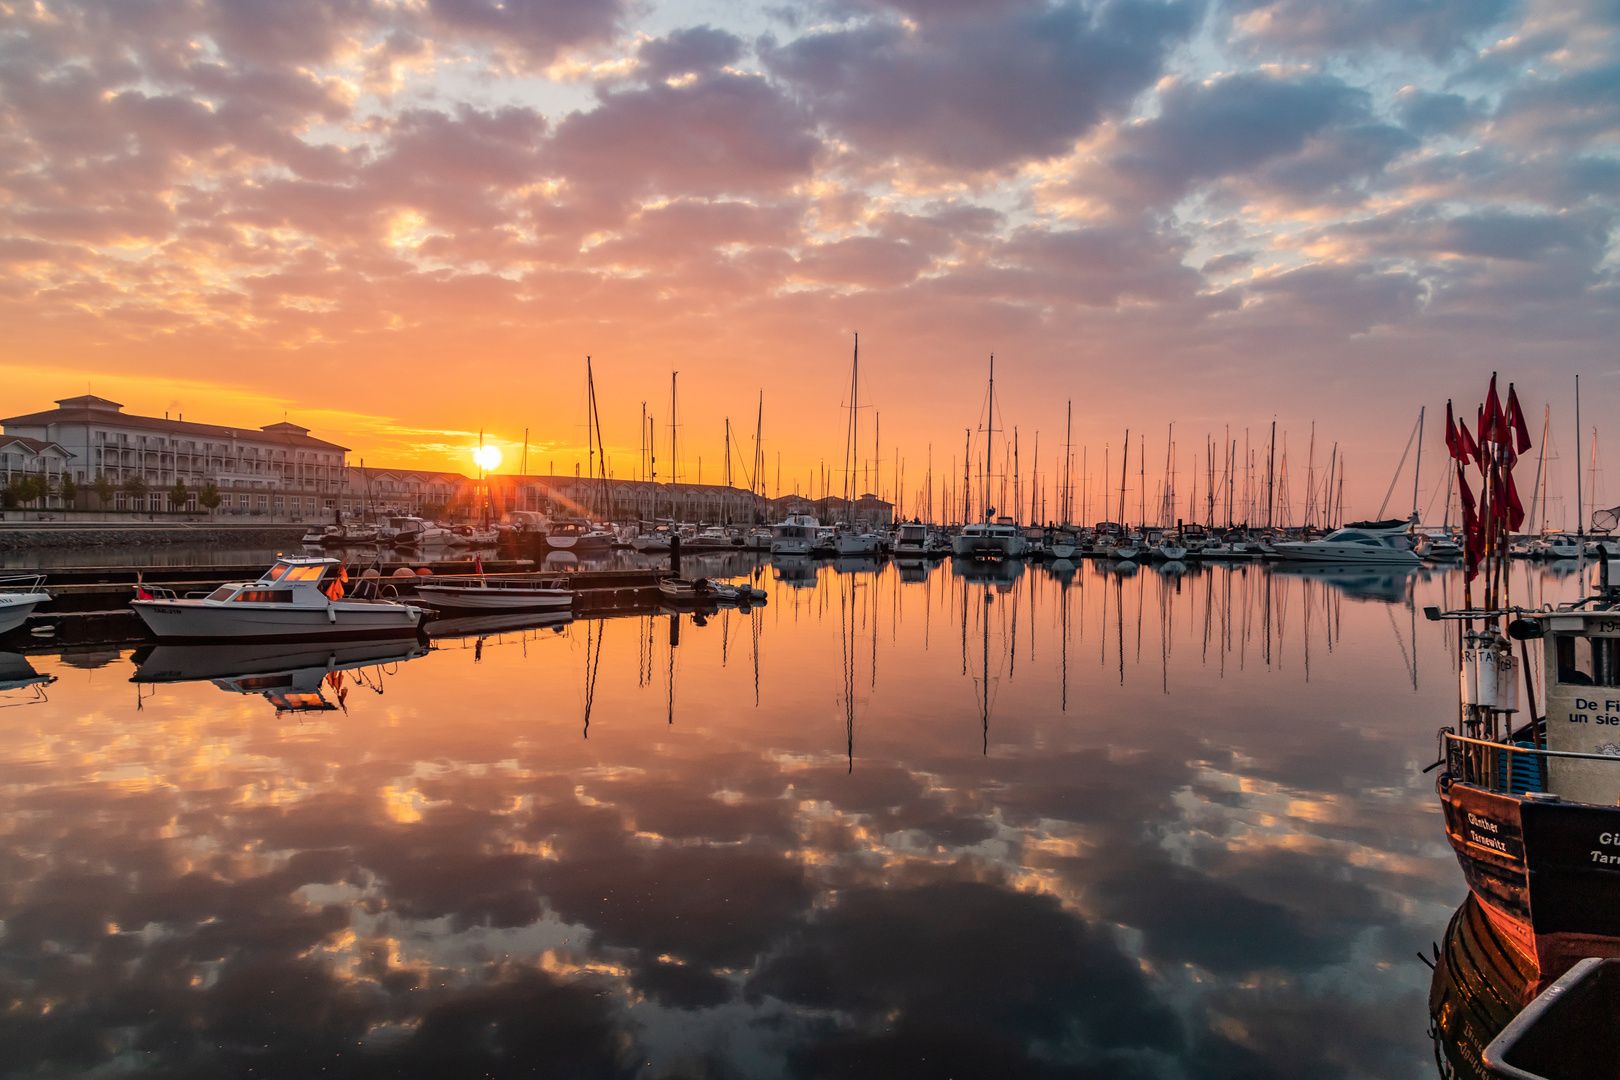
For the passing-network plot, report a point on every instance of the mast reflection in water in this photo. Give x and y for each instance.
(998, 821)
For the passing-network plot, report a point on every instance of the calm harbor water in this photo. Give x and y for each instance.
(899, 821)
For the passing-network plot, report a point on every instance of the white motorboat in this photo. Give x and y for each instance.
(849, 542)
(1127, 549)
(518, 592)
(580, 537)
(469, 536)
(347, 535)
(656, 540)
(412, 532)
(18, 598)
(1439, 547)
(987, 540)
(1603, 545)
(1555, 545)
(794, 536)
(1358, 542)
(911, 540)
(299, 597)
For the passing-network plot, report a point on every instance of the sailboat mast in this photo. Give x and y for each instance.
(1417, 468)
(1541, 464)
(1580, 499)
(674, 456)
(1124, 467)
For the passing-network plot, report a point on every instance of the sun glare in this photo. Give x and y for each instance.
(487, 458)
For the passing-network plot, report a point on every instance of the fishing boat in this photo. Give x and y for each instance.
(1359, 541)
(19, 596)
(1530, 804)
(514, 592)
(298, 597)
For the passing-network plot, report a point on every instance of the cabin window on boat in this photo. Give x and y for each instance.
(1584, 661)
(265, 596)
(221, 593)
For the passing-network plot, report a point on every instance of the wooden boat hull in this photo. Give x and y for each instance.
(1547, 874)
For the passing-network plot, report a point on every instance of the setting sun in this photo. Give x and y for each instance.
(487, 458)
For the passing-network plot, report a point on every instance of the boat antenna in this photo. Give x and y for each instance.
(1580, 499)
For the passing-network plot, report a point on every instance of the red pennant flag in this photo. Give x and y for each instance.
(1473, 549)
(1515, 509)
(1495, 428)
(1452, 446)
(1468, 450)
(140, 588)
(1521, 434)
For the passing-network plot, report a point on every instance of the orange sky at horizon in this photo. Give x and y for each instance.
(402, 225)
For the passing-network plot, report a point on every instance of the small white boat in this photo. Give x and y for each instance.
(849, 542)
(411, 532)
(468, 536)
(1555, 545)
(299, 597)
(687, 590)
(796, 535)
(744, 594)
(523, 592)
(18, 598)
(1605, 546)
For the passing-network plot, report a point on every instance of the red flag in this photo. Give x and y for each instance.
(1515, 509)
(140, 588)
(1452, 447)
(1495, 428)
(1521, 434)
(1473, 549)
(478, 565)
(1467, 449)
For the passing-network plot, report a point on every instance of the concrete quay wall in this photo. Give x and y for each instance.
(33, 537)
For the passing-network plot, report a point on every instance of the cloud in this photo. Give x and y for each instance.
(1297, 136)
(979, 90)
(1433, 28)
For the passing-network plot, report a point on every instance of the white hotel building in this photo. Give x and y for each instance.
(279, 469)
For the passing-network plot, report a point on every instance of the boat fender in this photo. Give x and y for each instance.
(331, 613)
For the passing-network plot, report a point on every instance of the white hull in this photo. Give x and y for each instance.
(203, 620)
(790, 547)
(16, 607)
(1345, 554)
(847, 544)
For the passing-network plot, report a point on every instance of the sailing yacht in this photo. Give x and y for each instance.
(1000, 539)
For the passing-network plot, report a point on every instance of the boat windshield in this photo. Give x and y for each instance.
(287, 573)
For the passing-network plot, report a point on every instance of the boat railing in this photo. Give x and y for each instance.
(1506, 767)
(23, 583)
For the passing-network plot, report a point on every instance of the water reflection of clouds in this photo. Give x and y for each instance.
(1221, 881)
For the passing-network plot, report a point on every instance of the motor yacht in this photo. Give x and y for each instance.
(911, 540)
(470, 536)
(850, 542)
(298, 597)
(796, 535)
(18, 598)
(1000, 539)
(1358, 542)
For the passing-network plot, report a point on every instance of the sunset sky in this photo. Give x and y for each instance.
(398, 223)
